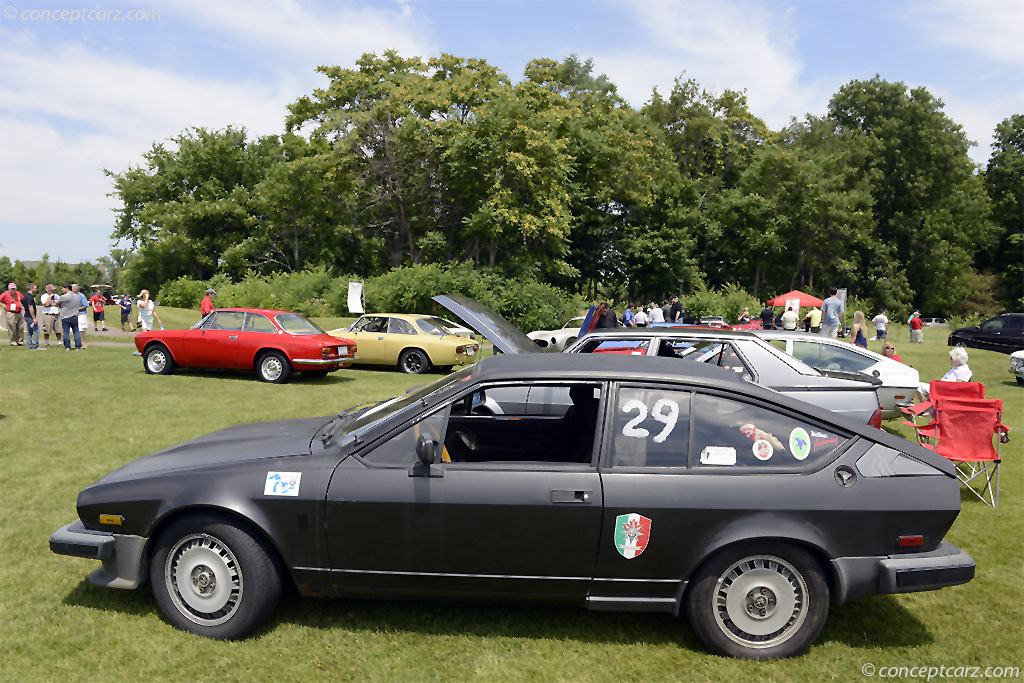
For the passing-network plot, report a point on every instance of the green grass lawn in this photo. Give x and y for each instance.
(69, 418)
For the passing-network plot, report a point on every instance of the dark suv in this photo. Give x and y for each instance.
(1003, 333)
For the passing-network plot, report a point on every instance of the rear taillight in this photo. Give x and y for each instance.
(326, 351)
(876, 419)
(460, 349)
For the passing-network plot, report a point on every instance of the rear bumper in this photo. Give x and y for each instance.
(320, 363)
(858, 577)
(122, 555)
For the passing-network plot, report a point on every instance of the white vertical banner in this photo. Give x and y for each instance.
(794, 304)
(355, 296)
(842, 297)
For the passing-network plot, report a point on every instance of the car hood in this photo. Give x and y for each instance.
(225, 446)
(505, 336)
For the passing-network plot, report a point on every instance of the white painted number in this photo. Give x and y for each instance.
(666, 417)
(631, 428)
(665, 411)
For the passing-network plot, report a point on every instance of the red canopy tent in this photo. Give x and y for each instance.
(805, 299)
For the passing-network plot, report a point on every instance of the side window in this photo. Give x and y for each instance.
(993, 325)
(808, 352)
(728, 433)
(371, 324)
(254, 322)
(651, 428)
(839, 358)
(398, 326)
(628, 347)
(780, 344)
(225, 320)
(705, 351)
(525, 423)
(400, 450)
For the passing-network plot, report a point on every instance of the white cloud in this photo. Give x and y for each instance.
(992, 28)
(736, 46)
(979, 117)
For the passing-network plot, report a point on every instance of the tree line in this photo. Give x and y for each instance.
(555, 177)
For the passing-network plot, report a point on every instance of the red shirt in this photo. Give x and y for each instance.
(915, 324)
(12, 303)
(206, 306)
(97, 303)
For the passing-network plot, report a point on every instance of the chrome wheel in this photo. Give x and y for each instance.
(203, 579)
(156, 361)
(760, 601)
(272, 368)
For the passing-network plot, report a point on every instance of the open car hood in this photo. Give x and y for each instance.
(505, 336)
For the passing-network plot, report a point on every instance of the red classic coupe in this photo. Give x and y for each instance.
(273, 343)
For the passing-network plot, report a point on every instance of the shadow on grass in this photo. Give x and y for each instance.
(137, 602)
(249, 376)
(879, 621)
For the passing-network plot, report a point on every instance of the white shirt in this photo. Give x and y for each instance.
(640, 318)
(880, 322)
(960, 373)
(657, 315)
(789, 320)
(146, 312)
(49, 304)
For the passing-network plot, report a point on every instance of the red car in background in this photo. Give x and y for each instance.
(273, 343)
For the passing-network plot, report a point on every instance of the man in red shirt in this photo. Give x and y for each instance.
(15, 313)
(206, 307)
(98, 315)
(916, 329)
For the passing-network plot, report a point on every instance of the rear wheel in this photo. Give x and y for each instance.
(214, 578)
(157, 360)
(414, 361)
(759, 601)
(273, 367)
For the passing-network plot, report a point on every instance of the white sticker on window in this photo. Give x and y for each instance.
(718, 455)
(665, 411)
(799, 443)
(763, 449)
(282, 484)
(630, 428)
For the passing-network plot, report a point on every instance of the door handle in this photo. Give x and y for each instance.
(233, 336)
(560, 496)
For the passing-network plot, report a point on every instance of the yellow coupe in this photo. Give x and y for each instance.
(414, 342)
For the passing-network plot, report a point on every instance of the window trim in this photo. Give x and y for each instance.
(254, 315)
(607, 463)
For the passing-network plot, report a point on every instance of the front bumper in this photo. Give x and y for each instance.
(122, 555)
(858, 577)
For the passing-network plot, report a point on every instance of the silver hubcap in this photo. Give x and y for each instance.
(272, 367)
(157, 361)
(203, 579)
(760, 601)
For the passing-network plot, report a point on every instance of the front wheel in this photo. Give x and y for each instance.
(414, 361)
(157, 360)
(213, 578)
(759, 601)
(273, 367)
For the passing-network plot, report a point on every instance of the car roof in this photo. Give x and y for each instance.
(600, 367)
(264, 311)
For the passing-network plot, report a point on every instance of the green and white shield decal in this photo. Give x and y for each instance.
(632, 533)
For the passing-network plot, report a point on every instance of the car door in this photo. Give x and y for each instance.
(400, 335)
(258, 332)
(487, 519)
(215, 345)
(368, 334)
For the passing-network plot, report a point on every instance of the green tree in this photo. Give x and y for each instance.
(1004, 181)
(929, 207)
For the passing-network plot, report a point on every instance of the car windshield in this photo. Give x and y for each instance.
(296, 323)
(375, 414)
(434, 326)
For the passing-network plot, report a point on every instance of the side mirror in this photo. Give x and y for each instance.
(426, 450)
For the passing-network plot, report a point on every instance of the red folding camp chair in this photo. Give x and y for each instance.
(963, 430)
(938, 391)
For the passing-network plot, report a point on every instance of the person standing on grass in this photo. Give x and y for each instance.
(69, 304)
(881, 324)
(147, 311)
(126, 313)
(98, 316)
(206, 307)
(83, 315)
(676, 311)
(641, 317)
(789, 319)
(916, 328)
(813, 319)
(51, 315)
(655, 315)
(14, 311)
(31, 318)
(628, 316)
(768, 316)
(830, 311)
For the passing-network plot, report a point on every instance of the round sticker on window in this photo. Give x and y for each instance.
(799, 443)
(763, 449)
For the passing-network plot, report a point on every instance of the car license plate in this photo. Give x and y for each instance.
(469, 351)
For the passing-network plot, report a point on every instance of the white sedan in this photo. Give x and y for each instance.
(558, 339)
(899, 381)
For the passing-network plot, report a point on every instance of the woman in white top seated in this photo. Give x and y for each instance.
(958, 372)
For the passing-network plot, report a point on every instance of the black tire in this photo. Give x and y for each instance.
(157, 360)
(214, 578)
(273, 367)
(414, 361)
(568, 342)
(314, 373)
(758, 601)
(1020, 380)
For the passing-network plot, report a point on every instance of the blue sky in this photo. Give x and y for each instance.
(82, 93)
